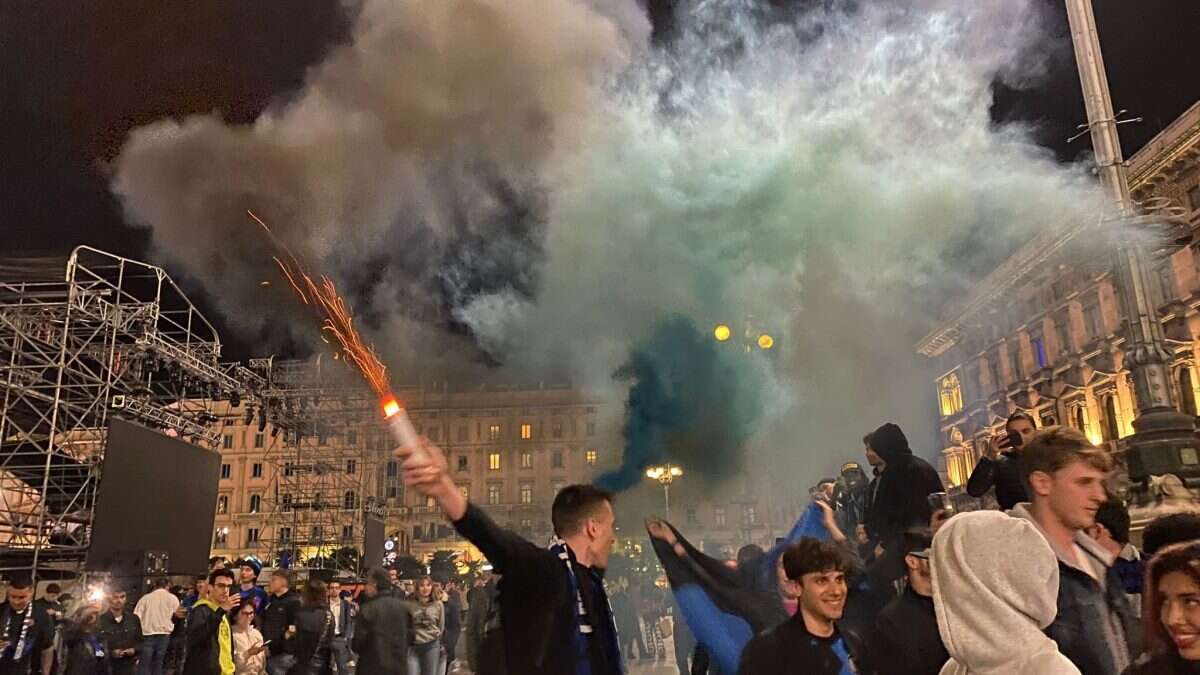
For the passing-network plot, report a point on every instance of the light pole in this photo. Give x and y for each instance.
(751, 336)
(1161, 432)
(665, 474)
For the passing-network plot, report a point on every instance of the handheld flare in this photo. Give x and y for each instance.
(401, 427)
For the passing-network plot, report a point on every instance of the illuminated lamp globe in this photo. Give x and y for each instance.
(722, 332)
(765, 341)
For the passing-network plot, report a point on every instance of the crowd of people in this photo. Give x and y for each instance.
(226, 623)
(881, 576)
(893, 581)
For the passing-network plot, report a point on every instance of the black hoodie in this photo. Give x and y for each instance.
(902, 498)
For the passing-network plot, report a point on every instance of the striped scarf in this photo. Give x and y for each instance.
(583, 661)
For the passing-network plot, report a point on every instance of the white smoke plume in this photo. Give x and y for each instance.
(558, 187)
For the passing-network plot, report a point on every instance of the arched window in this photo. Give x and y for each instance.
(1080, 415)
(1187, 394)
(950, 395)
(1111, 426)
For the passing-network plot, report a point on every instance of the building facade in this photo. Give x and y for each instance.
(509, 449)
(1044, 333)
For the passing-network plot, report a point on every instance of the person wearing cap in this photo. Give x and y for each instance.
(850, 504)
(906, 631)
(251, 593)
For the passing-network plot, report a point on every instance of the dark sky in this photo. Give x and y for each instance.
(78, 74)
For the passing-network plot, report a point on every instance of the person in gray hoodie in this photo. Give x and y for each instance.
(1096, 626)
(995, 581)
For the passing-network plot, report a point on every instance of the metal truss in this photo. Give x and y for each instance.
(112, 336)
(316, 502)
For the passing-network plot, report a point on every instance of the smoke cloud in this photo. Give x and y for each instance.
(529, 185)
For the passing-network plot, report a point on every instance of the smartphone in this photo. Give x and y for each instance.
(1015, 440)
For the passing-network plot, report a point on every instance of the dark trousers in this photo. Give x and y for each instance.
(341, 655)
(152, 653)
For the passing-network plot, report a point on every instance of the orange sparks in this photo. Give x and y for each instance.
(336, 318)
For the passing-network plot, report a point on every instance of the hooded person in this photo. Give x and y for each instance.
(995, 590)
(901, 499)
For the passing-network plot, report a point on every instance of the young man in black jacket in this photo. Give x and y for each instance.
(209, 636)
(382, 628)
(121, 632)
(1000, 465)
(554, 611)
(810, 642)
(901, 499)
(906, 640)
(278, 617)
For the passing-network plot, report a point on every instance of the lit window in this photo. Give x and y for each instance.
(950, 395)
(493, 493)
(526, 432)
(494, 461)
(526, 493)
(220, 537)
(590, 457)
(526, 460)
(494, 432)
(465, 490)
(223, 504)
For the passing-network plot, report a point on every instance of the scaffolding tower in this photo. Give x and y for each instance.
(316, 505)
(111, 336)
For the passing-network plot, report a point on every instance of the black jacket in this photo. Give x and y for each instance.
(485, 648)
(902, 497)
(279, 614)
(906, 637)
(313, 640)
(1163, 662)
(203, 646)
(124, 635)
(382, 631)
(537, 611)
(789, 649)
(1005, 474)
(81, 655)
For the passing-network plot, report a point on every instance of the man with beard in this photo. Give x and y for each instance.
(999, 467)
(121, 632)
(901, 499)
(553, 606)
(809, 643)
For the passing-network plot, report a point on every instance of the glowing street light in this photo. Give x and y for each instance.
(765, 341)
(722, 332)
(665, 474)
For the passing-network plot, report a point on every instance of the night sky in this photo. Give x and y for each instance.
(79, 74)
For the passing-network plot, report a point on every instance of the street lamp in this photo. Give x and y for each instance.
(1162, 435)
(752, 337)
(665, 474)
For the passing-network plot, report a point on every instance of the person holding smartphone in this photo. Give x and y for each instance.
(999, 466)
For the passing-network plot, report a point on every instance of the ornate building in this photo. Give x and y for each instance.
(510, 449)
(1044, 332)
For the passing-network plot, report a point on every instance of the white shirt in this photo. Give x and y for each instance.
(155, 610)
(335, 606)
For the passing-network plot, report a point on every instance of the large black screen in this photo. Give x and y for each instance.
(156, 493)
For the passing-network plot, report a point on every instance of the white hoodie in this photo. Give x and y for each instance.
(995, 588)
